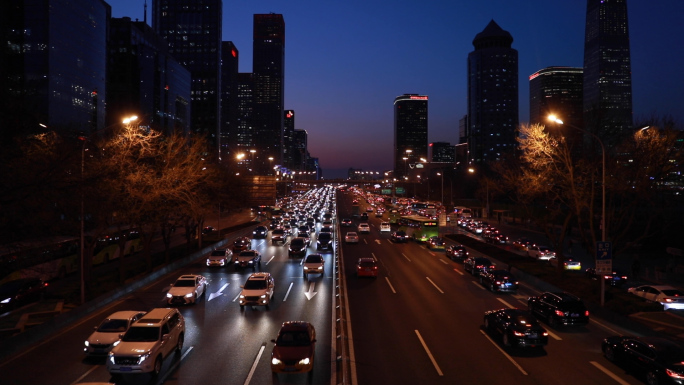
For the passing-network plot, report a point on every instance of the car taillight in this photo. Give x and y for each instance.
(668, 299)
(498, 282)
(586, 313)
(559, 313)
(518, 334)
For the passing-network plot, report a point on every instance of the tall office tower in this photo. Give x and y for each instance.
(442, 152)
(52, 66)
(556, 90)
(288, 139)
(607, 69)
(144, 80)
(492, 95)
(300, 154)
(193, 31)
(268, 67)
(410, 132)
(244, 137)
(229, 100)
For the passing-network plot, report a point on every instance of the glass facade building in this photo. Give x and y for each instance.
(556, 90)
(410, 132)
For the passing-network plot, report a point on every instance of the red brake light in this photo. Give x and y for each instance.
(586, 313)
(559, 313)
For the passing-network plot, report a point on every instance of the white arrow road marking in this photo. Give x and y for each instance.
(218, 293)
(310, 294)
(378, 241)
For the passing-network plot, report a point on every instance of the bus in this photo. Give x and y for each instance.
(420, 228)
(394, 216)
(55, 257)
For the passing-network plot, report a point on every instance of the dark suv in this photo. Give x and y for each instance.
(477, 265)
(297, 247)
(324, 241)
(559, 309)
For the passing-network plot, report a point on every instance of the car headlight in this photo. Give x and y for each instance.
(320, 267)
(242, 296)
(189, 295)
(304, 361)
(169, 295)
(275, 361)
(6, 300)
(116, 343)
(208, 262)
(111, 358)
(143, 358)
(87, 343)
(263, 296)
(306, 268)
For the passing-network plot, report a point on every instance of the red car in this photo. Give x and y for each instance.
(294, 348)
(366, 267)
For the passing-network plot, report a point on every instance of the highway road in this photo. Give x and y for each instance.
(223, 344)
(421, 322)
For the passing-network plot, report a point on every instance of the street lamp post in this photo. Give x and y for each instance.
(555, 119)
(442, 175)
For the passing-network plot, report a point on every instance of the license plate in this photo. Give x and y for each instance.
(289, 369)
(125, 369)
(574, 315)
(533, 335)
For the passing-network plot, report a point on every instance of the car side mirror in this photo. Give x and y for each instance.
(121, 335)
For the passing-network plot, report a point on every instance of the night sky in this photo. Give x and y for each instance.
(346, 61)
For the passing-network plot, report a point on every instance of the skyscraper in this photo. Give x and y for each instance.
(268, 67)
(288, 139)
(229, 100)
(607, 69)
(492, 95)
(193, 32)
(556, 90)
(410, 131)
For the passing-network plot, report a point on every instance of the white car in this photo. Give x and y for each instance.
(187, 289)
(351, 237)
(668, 296)
(543, 253)
(148, 342)
(220, 258)
(385, 226)
(109, 332)
(313, 264)
(363, 228)
(258, 290)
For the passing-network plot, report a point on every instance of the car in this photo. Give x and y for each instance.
(366, 267)
(313, 264)
(499, 281)
(369, 208)
(241, 244)
(435, 243)
(385, 226)
(559, 308)
(518, 328)
(659, 359)
(523, 244)
(379, 213)
(457, 252)
(102, 340)
(208, 230)
(351, 237)
(220, 258)
(306, 236)
(325, 229)
(148, 342)
(615, 278)
(477, 265)
(248, 258)
(186, 290)
(295, 348)
(278, 236)
(668, 296)
(258, 290)
(19, 292)
(298, 247)
(364, 216)
(568, 264)
(346, 222)
(399, 236)
(324, 241)
(363, 228)
(260, 232)
(542, 253)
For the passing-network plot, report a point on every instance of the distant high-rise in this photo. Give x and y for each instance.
(288, 139)
(193, 32)
(442, 152)
(556, 90)
(229, 100)
(492, 95)
(410, 131)
(607, 68)
(53, 65)
(269, 89)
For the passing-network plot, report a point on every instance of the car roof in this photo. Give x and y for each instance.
(124, 314)
(259, 276)
(294, 325)
(366, 259)
(189, 276)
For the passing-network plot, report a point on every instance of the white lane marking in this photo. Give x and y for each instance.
(237, 296)
(504, 353)
(407, 258)
(434, 363)
(390, 285)
(288, 291)
(378, 241)
(443, 261)
(459, 271)
(609, 373)
(270, 260)
(478, 285)
(174, 366)
(390, 242)
(218, 293)
(434, 284)
(365, 241)
(84, 375)
(554, 336)
(594, 321)
(311, 293)
(506, 303)
(254, 365)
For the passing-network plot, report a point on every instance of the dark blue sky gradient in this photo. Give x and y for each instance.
(346, 61)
